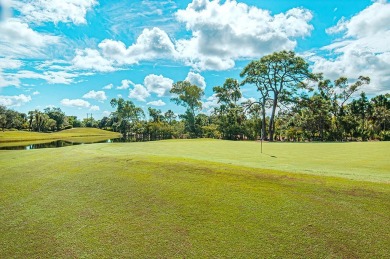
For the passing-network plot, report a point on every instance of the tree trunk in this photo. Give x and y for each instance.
(263, 126)
(271, 121)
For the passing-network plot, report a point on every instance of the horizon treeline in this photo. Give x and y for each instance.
(293, 104)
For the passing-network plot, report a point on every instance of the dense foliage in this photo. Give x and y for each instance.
(293, 104)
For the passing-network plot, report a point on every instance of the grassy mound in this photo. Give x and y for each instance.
(20, 136)
(164, 199)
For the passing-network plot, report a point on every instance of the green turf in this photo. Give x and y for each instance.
(193, 199)
(361, 161)
(70, 134)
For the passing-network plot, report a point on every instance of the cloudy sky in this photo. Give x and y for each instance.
(78, 55)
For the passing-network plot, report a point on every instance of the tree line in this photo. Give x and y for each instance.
(293, 104)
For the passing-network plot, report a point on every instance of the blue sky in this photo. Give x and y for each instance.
(78, 55)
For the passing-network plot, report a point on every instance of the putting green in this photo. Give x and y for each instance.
(368, 161)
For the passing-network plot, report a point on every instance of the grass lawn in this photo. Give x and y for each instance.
(196, 199)
(70, 134)
(368, 161)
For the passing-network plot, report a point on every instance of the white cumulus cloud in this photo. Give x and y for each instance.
(8, 63)
(362, 49)
(216, 39)
(368, 22)
(196, 79)
(219, 39)
(52, 77)
(96, 95)
(157, 103)
(114, 50)
(139, 92)
(125, 84)
(8, 80)
(154, 43)
(17, 39)
(78, 103)
(151, 44)
(108, 87)
(91, 59)
(94, 108)
(14, 101)
(158, 84)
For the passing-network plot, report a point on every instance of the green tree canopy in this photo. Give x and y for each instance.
(189, 96)
(229, 93)
(126, 113)
(281, 74)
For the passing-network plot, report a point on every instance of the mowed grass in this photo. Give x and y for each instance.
(70, 134)
(368, 161)
(195, 199)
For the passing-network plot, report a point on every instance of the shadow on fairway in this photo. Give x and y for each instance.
(270, 155)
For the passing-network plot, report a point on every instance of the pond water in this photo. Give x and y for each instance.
(54, 144)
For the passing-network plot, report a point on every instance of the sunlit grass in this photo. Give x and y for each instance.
(23, 136)
(115, 200)
(359, 160)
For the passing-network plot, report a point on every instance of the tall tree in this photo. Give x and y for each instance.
(362, 108)
(73, 121)
(230, 114)
(169, 116)
(381, 112)
(57, 115)
(40, 120)
(282, 74)
(229, 93)
(155, 115)
(3, 117)
(11, 119)
(127, 114)
(339, 93)
(315, 116)
(189, 96)
(30, 120)
(104, 122)
(254, 75)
